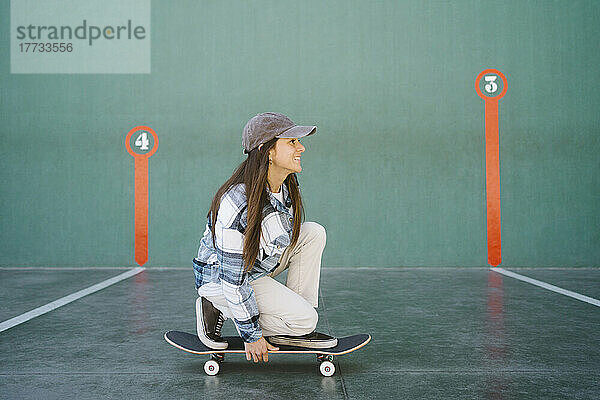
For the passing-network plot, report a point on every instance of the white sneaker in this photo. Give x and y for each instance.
(314, 340)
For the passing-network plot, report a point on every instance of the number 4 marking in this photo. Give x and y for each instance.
(142, 141)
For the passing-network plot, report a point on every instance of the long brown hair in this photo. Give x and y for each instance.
(252, 172)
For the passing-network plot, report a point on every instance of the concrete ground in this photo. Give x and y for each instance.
(438, 333)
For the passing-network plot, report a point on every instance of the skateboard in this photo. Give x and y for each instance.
(191, 344)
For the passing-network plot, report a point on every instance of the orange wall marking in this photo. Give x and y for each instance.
(142, 144)
(492, 95)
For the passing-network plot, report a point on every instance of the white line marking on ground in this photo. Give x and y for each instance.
(64, 268)
(67, 299)
(545, 285)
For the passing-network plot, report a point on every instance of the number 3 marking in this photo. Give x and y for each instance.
(491, 88)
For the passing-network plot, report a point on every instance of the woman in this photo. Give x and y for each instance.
(254, 232)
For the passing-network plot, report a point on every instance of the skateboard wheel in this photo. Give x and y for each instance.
(327, 368)
(211, 367)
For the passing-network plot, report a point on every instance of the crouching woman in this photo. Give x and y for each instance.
(254, 232)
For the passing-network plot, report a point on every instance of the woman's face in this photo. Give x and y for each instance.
(286, 155)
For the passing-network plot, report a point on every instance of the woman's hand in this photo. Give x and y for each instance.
(259, 350)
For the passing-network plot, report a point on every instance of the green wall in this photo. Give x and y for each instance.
(396, 171)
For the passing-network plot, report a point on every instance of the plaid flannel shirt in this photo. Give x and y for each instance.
(222, 262)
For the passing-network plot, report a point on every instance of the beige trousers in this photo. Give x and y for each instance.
(289, 309)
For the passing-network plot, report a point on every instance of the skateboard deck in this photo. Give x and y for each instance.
(191, 344)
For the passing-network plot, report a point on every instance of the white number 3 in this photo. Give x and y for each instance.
(492, 87)
(142, 140)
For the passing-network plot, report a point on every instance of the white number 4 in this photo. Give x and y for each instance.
(142, 141)
(492, 87)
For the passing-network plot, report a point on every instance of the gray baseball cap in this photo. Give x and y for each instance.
(266, 126)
